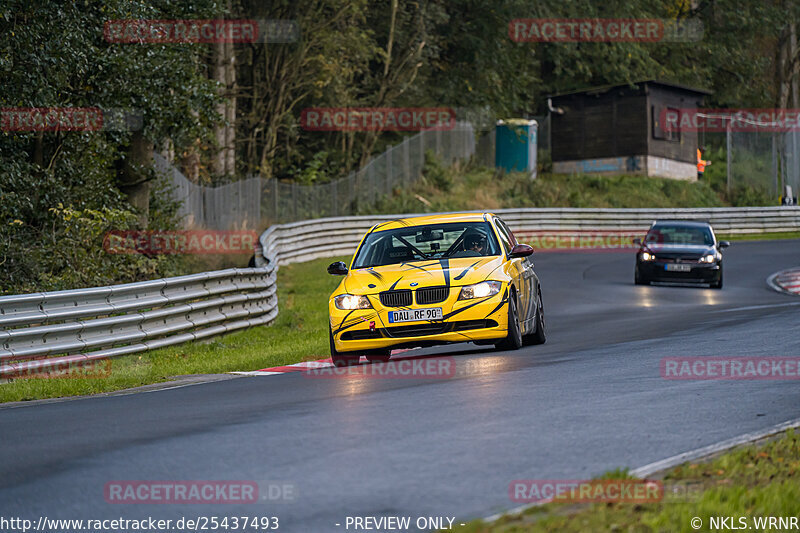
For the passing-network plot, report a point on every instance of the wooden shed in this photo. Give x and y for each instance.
(617, 129)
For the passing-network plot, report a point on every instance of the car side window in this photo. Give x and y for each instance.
(510, 233)
(505, 238)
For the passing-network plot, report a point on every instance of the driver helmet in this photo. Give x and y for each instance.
(473, 236)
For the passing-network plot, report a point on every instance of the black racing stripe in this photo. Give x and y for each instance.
(417, 267)
(395, 283)
(376, 274)
(345, 317)
(398, 220)
(356, 322)
(501, 304)
(453, 313)
(445, 262)
(466, 270)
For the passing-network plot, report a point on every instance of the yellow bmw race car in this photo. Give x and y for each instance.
(431, 280)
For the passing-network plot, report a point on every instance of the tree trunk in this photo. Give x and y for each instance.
(134, 177)
(225, 74)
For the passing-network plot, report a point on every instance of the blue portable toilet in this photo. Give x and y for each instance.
(515, 145)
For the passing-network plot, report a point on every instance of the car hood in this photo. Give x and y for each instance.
(430, 273)
(676, 249)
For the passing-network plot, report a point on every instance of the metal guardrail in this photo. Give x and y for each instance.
(48, 330)
(85, 325)
(330, 237)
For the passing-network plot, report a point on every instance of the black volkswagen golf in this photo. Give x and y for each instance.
(680, 251)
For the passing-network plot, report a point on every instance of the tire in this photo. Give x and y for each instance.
(338, 358)
(540, 335)
(639, 280)
(513, 340)
(718, 284)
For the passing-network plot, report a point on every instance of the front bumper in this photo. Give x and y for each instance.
(699, 273)
(361, 330)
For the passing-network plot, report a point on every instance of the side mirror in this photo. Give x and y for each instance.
(637, 240)
(723, 244)
(337, 269)
(521, 250)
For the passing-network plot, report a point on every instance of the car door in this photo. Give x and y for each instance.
(523, 271)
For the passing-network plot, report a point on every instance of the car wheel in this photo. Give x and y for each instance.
(539, 336)
(638, 279)
(718, 284)
(513, 340)
(337, 357)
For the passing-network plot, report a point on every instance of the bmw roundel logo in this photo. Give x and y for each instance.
(414, 284)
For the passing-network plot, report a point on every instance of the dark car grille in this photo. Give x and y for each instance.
(401, 298)
(432, 295)
(419, 330)
(681, 258)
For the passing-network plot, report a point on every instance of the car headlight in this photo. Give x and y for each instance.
(480, 290)
(710, 258)
(348, 302)
(647, 256)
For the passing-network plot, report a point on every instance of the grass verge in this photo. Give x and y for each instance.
(300, 333)
(474, 187)
(751, 481)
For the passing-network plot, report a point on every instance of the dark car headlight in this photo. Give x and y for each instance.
(647, 256)
(708, 258)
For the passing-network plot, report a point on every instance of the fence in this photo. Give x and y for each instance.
(44, 330)
(759, 155)
(763, 160)
(236, 205)
(257, 202)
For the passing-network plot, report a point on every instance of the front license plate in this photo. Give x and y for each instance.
(413, 315)
(677, 267)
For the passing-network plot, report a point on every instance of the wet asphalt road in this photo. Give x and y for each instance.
(590, 400)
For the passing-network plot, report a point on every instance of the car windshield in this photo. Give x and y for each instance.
(433, 241)
(680, 235)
